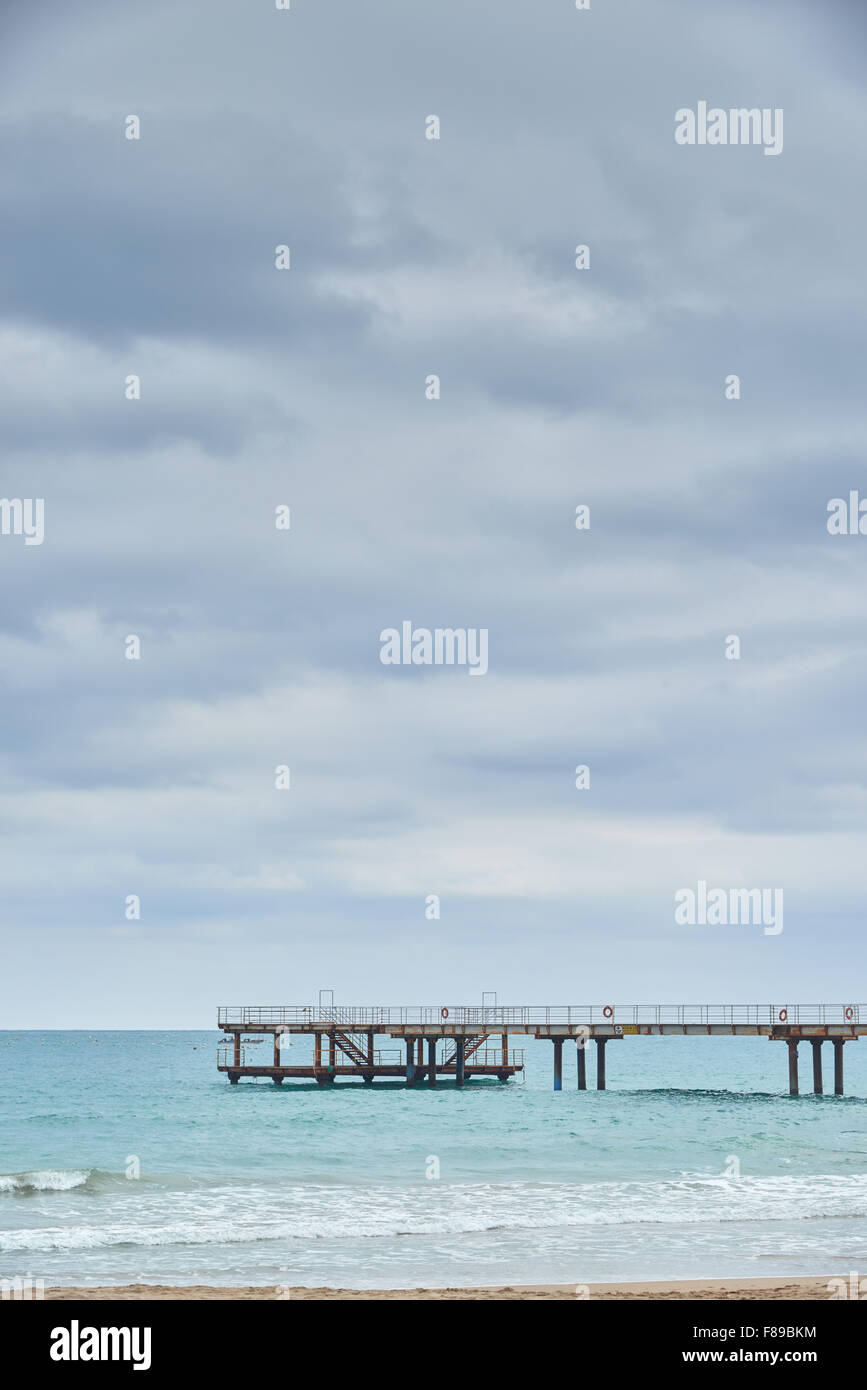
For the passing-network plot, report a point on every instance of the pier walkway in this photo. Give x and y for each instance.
(455, 1041)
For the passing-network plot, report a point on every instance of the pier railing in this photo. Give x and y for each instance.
(501, 1017)
(496, 1057)
(382, 1057)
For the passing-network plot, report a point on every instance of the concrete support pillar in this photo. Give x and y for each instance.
(838, 1066)
(505, 1049)
(420, 1054)
(460, 1047)
(558, 1064)
(582, 1064)
(276, 1049)
(600, 1063)
(431, 1061)
(236, 1057)
(317, 1049)
(410, 1061)
(332, 1052)
(370, 1037)
(816, 1044)
(793, 1066)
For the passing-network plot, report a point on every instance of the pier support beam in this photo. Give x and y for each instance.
(410, 1061)
(600, 1063)
(276, 1049)
(332, 1051)
(370, 1036)
(460, 1047)
(793, 1066)
(431, 1061)
(558, 1064)
(317, 1049)
(816, 1044)
(237, 1053)
(838, 1066)
(582, 1064)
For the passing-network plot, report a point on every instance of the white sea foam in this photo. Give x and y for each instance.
(268, 1212)
(50, 1180)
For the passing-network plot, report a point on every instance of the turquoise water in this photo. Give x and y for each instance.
(255, 1184)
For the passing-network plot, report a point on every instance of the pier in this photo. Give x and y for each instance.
(461, 1042)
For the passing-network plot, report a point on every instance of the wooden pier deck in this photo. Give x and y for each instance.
(454, 1041)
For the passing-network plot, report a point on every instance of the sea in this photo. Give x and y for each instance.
(125, 1157)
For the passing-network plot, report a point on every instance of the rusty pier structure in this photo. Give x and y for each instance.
(428, 1044)
(423, 1045)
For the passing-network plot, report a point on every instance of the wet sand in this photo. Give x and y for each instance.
(683, 1290)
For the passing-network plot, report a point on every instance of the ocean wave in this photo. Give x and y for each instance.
(306, 1214)
(98, 1181)
(47, 1180)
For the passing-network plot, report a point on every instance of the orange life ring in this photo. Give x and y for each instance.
(849, 1012)
(783, 1015)
(608, 1012)
(444, 1013)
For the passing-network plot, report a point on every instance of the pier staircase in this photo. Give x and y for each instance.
(351, 1048)
(473, 1045)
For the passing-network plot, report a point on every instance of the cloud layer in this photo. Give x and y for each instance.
(558, 387)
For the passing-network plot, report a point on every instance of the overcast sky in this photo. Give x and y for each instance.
(306, 387)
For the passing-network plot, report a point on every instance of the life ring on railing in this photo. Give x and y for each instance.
(444, 1013)
(848, 1013)
(782, 1015)
(608, 1012)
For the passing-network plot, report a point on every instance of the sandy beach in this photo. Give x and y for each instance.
(681, 1290)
